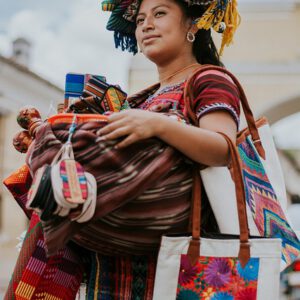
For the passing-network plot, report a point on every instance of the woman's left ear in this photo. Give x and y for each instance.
(191, 34)
(194, 29)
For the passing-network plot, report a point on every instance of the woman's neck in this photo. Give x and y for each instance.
(175, 71)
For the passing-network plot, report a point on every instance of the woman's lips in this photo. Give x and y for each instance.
(150, 38)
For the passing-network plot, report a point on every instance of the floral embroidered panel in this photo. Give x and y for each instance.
(217, 278)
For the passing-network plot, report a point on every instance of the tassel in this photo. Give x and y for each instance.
(206, 21)
(126, 42)
(232, 20)
(218, 12)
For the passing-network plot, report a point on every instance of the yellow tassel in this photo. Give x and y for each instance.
(230, 17)
(232, 20)
(218, 20)
(207, 19)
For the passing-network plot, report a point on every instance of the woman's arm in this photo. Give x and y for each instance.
(203, 144)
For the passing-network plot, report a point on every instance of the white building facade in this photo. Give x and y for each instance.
(19, 87)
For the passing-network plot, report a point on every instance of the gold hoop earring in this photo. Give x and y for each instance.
(190, 37)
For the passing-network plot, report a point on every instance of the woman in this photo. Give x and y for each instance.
(175, 35)
(167, 33)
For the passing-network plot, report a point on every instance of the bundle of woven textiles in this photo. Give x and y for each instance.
(127, 189)
(86, 93)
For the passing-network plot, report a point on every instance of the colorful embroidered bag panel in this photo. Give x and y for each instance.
(217, 278)
(264, 204)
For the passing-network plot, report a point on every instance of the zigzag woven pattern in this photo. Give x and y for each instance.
(264, 204)
(37, 277)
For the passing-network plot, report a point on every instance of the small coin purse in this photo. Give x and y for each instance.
(63, 188)
(72, 186)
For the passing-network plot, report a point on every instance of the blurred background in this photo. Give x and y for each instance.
(41, 41)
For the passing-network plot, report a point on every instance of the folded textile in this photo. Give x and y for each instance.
(18, 183)
(142, 191)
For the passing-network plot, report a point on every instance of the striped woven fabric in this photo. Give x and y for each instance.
(66, 184)
(37, 277)
(111, 97)
(121, 278)
(75, 83)
(143, 191)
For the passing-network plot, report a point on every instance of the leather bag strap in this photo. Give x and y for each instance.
(194, 247)
(189, 108)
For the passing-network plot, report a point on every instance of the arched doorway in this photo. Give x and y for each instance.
(284, 119)
(283, 109)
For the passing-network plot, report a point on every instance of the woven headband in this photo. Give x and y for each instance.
(221, 15)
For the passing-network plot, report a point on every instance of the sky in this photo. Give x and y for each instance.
(67, 36)
(70, 36)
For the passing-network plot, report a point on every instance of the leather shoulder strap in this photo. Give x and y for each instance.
(189, 97)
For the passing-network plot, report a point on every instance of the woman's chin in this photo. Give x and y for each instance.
(153, 54)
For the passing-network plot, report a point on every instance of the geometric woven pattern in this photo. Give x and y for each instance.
(111, 97)
(121, 278)
(74, 85)
(264, 204)
(37, 277)
(18, 183)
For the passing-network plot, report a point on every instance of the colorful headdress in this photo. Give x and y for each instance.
(221, 15)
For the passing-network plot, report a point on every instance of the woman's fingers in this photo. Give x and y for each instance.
(117, 133)
(117, 116)
(127, 141)
(111, 127)
(131, 125)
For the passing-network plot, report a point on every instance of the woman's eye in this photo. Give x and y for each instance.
(159, 13)
(139, 21)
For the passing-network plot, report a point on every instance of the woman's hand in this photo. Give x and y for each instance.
(136, 124)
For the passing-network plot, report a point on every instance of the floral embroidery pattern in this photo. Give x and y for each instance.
(217, 278)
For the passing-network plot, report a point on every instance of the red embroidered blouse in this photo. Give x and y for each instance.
(214, 90)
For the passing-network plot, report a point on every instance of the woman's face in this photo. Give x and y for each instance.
(161, 30)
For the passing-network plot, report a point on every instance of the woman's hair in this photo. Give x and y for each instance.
(204, 48)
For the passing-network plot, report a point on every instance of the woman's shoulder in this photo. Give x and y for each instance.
(210, 73)
(216, 79)
(215, 89)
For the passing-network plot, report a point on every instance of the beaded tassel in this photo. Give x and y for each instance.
(218, 12)
(232, 20)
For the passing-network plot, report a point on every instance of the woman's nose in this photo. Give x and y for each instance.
(148, 24)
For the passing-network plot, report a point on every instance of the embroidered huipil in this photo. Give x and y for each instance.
(213, 91)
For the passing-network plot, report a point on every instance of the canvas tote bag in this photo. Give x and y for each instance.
(222, 267)
(264, 184)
